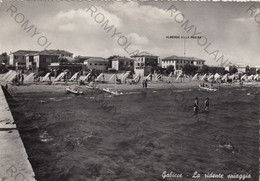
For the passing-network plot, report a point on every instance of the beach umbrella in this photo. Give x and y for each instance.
(256, 76)
(216, 76)
(148, 76)
(210, 77)
(195, 76)
(224, 77)
(120, 76)
(203, 76)
(112, 77)
(232, 76)
(169, 76)
(250, 77)
(178, 77)
(243, 77)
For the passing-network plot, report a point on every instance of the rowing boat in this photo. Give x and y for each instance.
(208, 89)
(111, 91)
(90, 87)
(74, 91)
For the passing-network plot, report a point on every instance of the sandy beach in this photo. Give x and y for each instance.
(185, 83)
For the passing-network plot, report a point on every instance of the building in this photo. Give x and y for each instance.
(145, 62)
(241, 68)
(18, 58)
(30, 64)
(252, 70)
(179, 62)
(123, 63)
(44, 58)
(146, 59)
(96, 63)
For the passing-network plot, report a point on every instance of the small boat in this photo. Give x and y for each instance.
(74, 91)
(90, 87)
(208, 89)
(111, 91)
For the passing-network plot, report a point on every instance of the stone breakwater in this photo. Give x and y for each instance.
(14, 163)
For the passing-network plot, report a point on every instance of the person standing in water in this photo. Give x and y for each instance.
(207, 104)
(196, 105)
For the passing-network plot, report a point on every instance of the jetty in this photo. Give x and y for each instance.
(14, 163)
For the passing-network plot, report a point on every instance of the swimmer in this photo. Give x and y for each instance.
(196, 105)
(207, 104)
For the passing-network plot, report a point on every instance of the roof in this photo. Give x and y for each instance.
(122, 58)
(144, 54)
(24, 52)
(174, 57)
(97, 59)
(54, 52)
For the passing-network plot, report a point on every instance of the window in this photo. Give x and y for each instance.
(177, 67)
(95, 64)
(90, 64)
(177, 61)
(101, 64)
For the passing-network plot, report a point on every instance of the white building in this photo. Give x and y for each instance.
(96, 63)
(179, 62)
(145, 62)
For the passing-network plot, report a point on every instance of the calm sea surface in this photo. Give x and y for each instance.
(139, 135)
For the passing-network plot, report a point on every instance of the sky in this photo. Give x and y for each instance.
(78, 27)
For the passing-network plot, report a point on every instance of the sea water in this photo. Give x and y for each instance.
(139, 136)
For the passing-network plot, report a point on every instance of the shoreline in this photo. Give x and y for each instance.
(124, 88)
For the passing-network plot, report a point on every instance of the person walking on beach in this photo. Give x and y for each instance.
(207, 104)
(145, 83)
(196, 105)
(22, 78)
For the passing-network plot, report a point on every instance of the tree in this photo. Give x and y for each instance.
(233, 70)
(189, 69)
(4, 57)
(204, 69)
(157, 69)
(247, 70)
(170, 69)
(63, 60)
(110, 59)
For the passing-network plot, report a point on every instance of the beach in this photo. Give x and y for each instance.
(137, 135)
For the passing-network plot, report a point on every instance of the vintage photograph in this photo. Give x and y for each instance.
(129, 90)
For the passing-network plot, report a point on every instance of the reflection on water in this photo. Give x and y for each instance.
(138, 136)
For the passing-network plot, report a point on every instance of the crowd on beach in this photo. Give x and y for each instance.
(18, 79)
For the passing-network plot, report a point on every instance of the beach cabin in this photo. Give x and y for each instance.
(61, 66)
